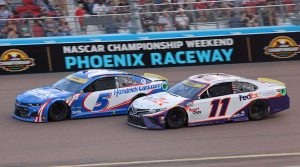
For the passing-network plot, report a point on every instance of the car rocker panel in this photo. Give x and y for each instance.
(83, 97)
(211, 104)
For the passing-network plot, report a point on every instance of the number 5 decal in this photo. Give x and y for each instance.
(215, 107)
(102, 102)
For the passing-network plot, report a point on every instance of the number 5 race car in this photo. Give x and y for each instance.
(88, 93)
(209, 99)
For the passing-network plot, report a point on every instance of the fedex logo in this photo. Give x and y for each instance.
(249, 96)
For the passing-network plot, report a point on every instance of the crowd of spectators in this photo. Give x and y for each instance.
(156, 15)
(28, 19)
(167, 15)
(180, 14)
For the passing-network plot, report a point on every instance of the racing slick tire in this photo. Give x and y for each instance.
(58, 111)
(176, 118)
(258, 110)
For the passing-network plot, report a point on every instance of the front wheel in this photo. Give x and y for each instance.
(176, 118)
(258, 110)
(58, 112)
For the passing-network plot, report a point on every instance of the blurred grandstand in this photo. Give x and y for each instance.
(39, 18)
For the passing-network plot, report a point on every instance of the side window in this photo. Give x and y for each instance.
(220, 89)
(125, 81)
(101, 84)
(204, 95)
(242, 87)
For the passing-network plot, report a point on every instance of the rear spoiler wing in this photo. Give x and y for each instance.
(268, 80)
(154, 77)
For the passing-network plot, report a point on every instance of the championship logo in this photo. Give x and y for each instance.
(282, 47)
(14, 60)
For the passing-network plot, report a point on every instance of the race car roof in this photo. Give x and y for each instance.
(213, 77)
(96, 72)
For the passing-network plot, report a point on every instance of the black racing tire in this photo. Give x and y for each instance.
(59, 111)
(137, 96)
(258, 110)
(176, 118)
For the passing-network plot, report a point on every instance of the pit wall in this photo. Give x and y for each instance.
(149, 50)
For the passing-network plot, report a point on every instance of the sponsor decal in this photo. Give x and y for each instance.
(76, 112)
(15, 60)
(118, 92)
(249, 96)
(282, 47)
(71, 99)
(241, 114)
(159, 101)
(41, 93)
(268, 94)
(195, 110)
(283, 92)
(165, 86)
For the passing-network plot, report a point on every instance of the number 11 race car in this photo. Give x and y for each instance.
(209, 99)
(88, 93)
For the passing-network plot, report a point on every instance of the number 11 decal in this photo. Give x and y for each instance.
(215, 107)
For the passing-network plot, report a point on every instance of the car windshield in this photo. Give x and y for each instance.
(187, 89)
(70, 83)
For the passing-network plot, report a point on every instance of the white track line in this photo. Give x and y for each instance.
(184, 160)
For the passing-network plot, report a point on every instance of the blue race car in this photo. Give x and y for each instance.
(88, 93)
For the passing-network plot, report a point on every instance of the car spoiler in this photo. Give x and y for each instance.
(268, 80)
(154, 77)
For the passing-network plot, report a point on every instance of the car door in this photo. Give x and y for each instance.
(126, 90)
(95, 97)
(216, 103)
(245, 92)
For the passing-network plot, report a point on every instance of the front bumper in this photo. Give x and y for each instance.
(29, 114)
(141, 120)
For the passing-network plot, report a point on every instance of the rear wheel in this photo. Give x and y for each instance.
(258, 110)
(176, 118)
(58, 112)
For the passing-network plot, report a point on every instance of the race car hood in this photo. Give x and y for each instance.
(158, 101)
(40, 95)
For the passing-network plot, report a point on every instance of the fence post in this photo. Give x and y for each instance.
(260, 17)
(282, 11)
(192, 8)
(216, 18)
(77, 26)
(297, 7)
(135, 17)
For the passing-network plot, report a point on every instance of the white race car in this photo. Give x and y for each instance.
(208, 99)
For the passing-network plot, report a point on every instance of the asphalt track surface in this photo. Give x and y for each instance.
(105, 140)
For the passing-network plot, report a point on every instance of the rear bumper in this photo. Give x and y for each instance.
(279, 104)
